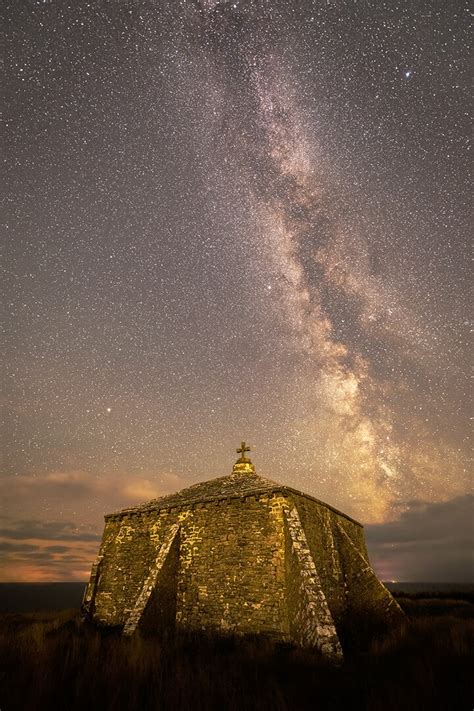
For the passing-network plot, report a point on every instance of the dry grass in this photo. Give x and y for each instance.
(53, 661)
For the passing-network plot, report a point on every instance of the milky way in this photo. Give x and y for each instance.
(225, 221)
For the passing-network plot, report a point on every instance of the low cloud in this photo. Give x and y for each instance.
(139, 490)
(17, 547)
(45, 530)
(49, 485)
(57, 549)
(36, 551)
(427, 543)
(74, 491)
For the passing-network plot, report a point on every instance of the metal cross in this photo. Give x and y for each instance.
(242, 450)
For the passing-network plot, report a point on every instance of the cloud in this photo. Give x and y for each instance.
(427, 543)
(32, 550)
(17, 547)
(140, 490)
(45, 530)
(51, 484)
(82, 493)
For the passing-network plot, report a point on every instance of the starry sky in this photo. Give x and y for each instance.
(236, 220)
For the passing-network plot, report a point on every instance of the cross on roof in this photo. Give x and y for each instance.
(242, 450)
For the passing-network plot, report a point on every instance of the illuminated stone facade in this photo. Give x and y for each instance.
(240, 554)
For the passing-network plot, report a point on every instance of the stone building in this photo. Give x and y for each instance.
(239, 554)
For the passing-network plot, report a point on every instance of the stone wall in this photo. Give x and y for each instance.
(232, 566)
(367, 597)
(155, 607)
(321, 528)
(128, 554)
(311, 622)
(339, 551)
(230, 569)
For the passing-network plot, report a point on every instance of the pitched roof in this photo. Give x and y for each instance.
(236, 485)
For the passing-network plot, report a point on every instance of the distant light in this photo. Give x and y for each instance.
(109, 409)
(408, 73)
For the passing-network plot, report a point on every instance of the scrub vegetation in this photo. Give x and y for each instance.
(52, 660)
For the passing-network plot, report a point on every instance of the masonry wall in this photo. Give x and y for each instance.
(232, 567)
(321, 528)
(128, 552)
(367, 597)
(157, 610)
(311, 622)
(229, 573)
(339, 551)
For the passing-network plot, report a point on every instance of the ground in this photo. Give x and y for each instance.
(52, 660)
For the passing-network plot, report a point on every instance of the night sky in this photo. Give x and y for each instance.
(227, 221)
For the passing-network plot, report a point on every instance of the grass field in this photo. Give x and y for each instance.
(53, 661)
